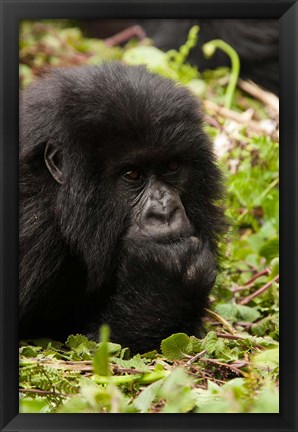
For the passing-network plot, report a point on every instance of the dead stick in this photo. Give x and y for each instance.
(125, 35)
(233, 115)
(236, 337)
(45, 392)
(216, 362)
(264, 96)
(247, 284)
(220, 319)
(259, 291)
(196, 357)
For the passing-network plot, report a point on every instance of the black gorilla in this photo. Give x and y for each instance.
(119, 214)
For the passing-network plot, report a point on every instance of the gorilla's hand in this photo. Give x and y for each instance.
(188, 263)
(162, 290)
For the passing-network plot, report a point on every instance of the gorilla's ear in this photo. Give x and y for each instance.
(53, 159)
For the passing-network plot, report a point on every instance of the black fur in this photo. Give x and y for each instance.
(78, 266)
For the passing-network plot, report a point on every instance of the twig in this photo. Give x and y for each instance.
(45, 392)
(264, 96)
(213, 122)
(240, 363)
(125, 35)
(245, 324)
(233, 368)
(236, 337)
(221, 320)
(259, 291)
(266, 271)
(228, 336)
(196, 357)
(118, 369)
(249, 282)
(235, 116)
(66, 365)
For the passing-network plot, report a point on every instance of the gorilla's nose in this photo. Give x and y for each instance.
(161, 220)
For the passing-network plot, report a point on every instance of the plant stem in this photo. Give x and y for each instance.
(147, 378)
(209, 49)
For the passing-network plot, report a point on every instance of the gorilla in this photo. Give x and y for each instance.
(120, 212)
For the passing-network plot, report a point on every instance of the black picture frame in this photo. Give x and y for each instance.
(13, 11)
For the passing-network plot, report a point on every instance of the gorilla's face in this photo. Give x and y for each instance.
(153, 191)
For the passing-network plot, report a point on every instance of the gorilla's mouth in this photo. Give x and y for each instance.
(173, 238)
(169, 238)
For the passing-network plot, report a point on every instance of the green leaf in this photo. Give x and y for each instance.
(73, 341)
(33, 406)
(269, 358)
(176, 346)
(246, 313)
(267, 401)
(113, 348)
(197, 86)
(213, 388)
(148, 55)
(146, 397)
(150, 355)
(74, 406)
(274, 265)
(270, 249)
(233, 313)
(47, 343)
(135, 362)
(29, 351)
(101, 357)
(196, 344)
(266, 325)
(228, 311)
(210, 342)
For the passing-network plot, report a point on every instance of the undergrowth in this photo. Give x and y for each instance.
(234, 368)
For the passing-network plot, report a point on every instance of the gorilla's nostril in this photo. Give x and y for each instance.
(175, 215)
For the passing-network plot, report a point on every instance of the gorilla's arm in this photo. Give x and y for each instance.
(162, 290)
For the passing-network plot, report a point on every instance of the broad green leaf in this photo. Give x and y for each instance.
(135, 362)
(73, 341)
(246, 313)
(270, 249)
(268, 358)
(210, 342)
(228, 311)
(267, 401)
(148, 55)
(144, 401)
(30, 406)
(29, 351)
(176, 346)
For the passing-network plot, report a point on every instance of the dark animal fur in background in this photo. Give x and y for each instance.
(255, 40)
(122, 225)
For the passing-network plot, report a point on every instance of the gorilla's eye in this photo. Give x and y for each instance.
(173, 166)
(133, 174)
